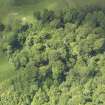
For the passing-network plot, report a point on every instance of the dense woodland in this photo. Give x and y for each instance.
(59, 58)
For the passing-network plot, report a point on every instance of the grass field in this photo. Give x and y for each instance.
(6, 69)
(6, 9)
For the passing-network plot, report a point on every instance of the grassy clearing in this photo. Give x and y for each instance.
(6, 69)
(28, 9)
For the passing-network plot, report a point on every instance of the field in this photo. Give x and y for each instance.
(6, 69)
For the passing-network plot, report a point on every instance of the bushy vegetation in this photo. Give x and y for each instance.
(60, 57)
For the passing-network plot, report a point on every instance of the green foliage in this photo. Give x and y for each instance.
(2, 27)
(60, 58)
(45, 16)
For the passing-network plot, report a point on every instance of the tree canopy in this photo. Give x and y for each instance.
(60, 57)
